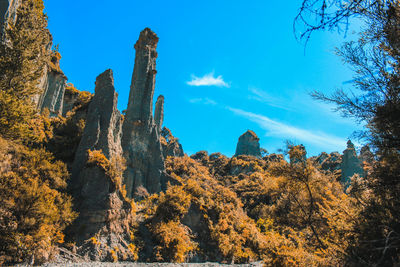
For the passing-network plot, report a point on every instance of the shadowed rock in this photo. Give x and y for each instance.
(248, 144)
(141, 138)
(104, 212)
(8, 11)
(159, 113)
(53, 94)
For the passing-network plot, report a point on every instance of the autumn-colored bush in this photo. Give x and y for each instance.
(34, 209)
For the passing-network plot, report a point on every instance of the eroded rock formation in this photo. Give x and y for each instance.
(170, 144)
(53, 86)
(103, 123)
(159, 112)
(248, 144)
(104, 212)
(141, 138)
(90, 186)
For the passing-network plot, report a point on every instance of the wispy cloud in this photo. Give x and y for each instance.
(264, 97)
(204, 101)
(278, 129)
(208, 80)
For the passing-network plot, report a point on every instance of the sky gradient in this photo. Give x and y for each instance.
(223, 67)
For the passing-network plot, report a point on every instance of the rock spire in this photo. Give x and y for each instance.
(140, 134)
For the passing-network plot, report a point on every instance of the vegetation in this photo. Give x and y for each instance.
(34, 205)
(375, 60)
(34, 208)
(215, 208)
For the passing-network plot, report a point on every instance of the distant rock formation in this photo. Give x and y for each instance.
(104, 213)
(351, 164)
(329, 162)
(248, 144)
(170, 144)
(141, 138)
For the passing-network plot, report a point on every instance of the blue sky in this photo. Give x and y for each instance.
(223, 67)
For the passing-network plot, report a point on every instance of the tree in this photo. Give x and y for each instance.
(375, 59)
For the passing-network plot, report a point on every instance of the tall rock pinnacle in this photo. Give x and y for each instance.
(140, 135)
(159, 113)
(95, 193)
(143, 78)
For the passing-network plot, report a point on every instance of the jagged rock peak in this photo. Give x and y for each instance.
(147, 38)
(103, 124)
(94, 192)
(248, 144)
(159, 112)
(143, 79)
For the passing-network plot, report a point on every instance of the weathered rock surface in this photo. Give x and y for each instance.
(71, 96)
(248, 144)
(141, 139)
(103, 211)
(351, 164)
(52, 86)
(159, 112)
(103, 123)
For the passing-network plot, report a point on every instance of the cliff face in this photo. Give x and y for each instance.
(248, 144)
(140, 134)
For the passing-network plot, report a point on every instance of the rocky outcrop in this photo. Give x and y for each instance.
(159, 112)
(248, 144)
(351, 164)
(71, 95)
(53, 84)
(141, 138)
(328, 162)
(170, 144)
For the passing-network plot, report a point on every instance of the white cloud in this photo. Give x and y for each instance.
(264, 97)
(208, 80)
(205, 101)
(278, 129)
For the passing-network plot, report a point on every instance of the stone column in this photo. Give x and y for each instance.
(140, 138)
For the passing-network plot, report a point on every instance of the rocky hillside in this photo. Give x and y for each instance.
(82, 182)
